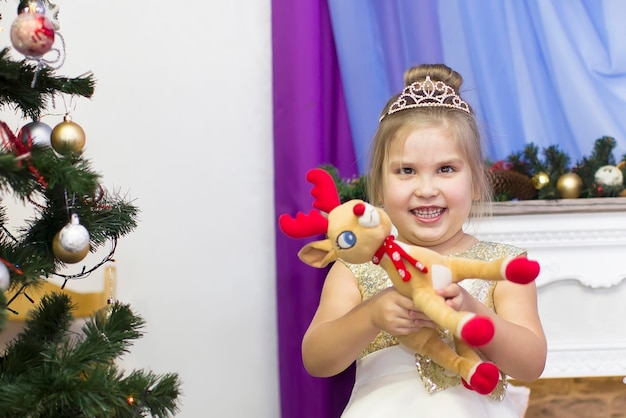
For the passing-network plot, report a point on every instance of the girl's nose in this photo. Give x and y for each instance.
(426, 187)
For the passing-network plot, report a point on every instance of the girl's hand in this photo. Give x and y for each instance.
(456, 297)
(395, 314)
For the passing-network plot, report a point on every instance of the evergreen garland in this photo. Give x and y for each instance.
(530, 162)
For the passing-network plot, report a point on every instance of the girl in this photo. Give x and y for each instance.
(427, 171)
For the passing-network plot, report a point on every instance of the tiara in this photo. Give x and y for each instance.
(428, 93)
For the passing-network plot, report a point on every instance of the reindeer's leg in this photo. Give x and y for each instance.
(476, 374)
(482, 376)
(515, 269)
(419, 340)
(473, 329)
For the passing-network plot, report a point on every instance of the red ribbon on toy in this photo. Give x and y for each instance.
(396, 253)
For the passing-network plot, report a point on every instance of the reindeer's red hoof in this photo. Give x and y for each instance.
(522, 270)
(478, 330)
(483, 379)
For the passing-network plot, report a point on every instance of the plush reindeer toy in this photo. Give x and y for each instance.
(358, 232)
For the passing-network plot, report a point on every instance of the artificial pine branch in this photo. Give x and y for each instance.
(47, 324)
(50, 372)
(355, 188)
(601, 155)
(555, 163)
(532, 160)
(18, 90)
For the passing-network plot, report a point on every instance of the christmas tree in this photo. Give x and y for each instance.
(48, 370)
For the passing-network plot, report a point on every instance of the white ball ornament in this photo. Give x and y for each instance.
(609, 175)
(71, 244)
(5, 278)
(32, 34)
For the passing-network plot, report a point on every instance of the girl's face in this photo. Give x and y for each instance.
(427, 189)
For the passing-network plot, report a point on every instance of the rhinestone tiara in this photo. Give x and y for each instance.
(428, 93)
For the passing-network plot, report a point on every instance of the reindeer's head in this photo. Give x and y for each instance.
(354, 230)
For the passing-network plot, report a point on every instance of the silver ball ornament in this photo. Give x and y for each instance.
(31, 6)
(38, 132)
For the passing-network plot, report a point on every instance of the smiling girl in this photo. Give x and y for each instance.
(427, 171)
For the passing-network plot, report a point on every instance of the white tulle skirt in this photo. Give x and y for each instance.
(388, 386)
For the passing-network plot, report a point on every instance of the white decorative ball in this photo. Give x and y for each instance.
(71, 243)
(5, 278)
(609, 175)
(32, 34)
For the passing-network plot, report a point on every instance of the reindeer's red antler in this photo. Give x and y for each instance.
(303, 225)
(326, 199)
(324, 190)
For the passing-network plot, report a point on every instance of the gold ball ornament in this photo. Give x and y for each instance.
(68, 137)
(569, 186)
(540, 180)
(71, 244)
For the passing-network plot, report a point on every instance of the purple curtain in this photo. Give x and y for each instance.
(310, 128)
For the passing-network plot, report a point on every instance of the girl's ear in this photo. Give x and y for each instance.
(475, 193)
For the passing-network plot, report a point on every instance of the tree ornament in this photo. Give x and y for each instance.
(32, 34)
(569, 186)
(37, 133)
(110, 280)
(609, 175)
(540, 180)
(71, 244)
(31, 6)
(5, 278)
(67, 137)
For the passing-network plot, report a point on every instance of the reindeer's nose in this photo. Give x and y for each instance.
(359, 209)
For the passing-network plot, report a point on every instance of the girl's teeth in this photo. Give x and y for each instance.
(428, 213)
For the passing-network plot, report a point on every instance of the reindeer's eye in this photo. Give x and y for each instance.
(346, 240)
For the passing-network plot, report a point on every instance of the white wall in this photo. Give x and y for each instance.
(181, 121)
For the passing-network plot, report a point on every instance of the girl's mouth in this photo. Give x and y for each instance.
(428, 213)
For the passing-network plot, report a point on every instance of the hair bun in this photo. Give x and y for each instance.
(437, 72)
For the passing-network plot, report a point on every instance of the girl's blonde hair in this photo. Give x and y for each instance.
(462, 125)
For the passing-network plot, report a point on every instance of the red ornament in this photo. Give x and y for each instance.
(32, 34)
(501, 165)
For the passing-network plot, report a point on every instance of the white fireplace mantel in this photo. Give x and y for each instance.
(581, 246)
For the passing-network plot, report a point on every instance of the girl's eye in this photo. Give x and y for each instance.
(346, 240)
(446, 169)
(407, 170)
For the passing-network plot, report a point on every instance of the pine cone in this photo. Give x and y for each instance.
(512, 184)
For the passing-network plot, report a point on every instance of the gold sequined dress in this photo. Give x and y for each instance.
(391, 381)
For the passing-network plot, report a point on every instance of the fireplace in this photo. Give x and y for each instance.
(581, 246)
